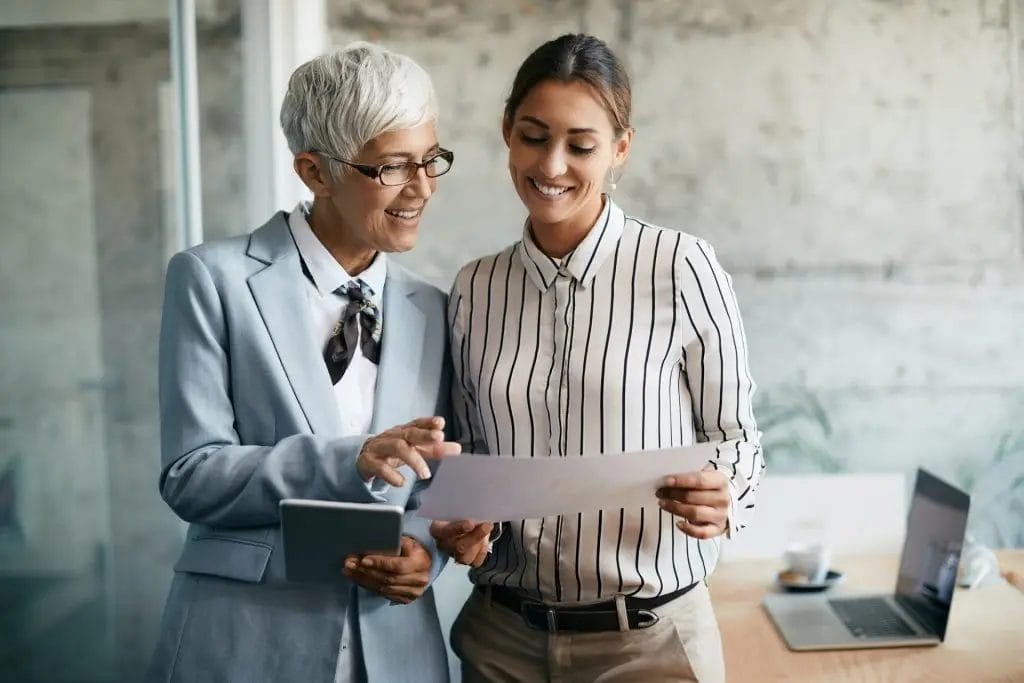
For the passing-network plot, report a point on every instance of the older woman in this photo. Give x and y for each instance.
(597, 333)
(287, 358)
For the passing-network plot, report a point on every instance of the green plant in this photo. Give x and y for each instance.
(997, 493)
(796, 431)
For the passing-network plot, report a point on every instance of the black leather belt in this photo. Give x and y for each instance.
(601, 616)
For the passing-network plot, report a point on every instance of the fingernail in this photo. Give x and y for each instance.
(662, 503)
(425, 474)
(367, 562)
(350, 564)
(670, 481)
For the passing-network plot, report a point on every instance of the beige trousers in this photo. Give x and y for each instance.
(495, 645)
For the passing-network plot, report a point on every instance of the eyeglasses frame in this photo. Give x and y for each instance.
(376, 173)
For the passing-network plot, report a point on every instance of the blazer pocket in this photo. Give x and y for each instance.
(230, 558)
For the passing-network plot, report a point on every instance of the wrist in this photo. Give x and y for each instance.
(363, 473)
(363, 464)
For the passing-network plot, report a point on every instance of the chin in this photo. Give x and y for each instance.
(547, 213)
(404, 245)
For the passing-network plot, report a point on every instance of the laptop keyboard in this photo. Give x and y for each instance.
(870, 618)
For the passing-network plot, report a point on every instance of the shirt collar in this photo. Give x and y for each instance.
(585, 260)
(325, 271)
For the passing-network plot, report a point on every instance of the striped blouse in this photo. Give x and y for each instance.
(633, 341)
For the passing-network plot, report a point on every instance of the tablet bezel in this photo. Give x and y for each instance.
(307, 525)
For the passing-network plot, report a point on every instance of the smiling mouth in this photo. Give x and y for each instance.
(404, 214)
(548, 191)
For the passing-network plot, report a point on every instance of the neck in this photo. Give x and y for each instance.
(352, 255)
(558, 239)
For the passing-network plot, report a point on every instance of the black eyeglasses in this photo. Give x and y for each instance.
(400, 173)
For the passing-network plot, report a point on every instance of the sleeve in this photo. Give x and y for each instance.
(718, 377)
(468, 430)
(206, 475)
(412, 524)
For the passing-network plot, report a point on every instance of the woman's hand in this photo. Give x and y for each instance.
(400, 579)
(468, 542)
(407, 444)
(701, 499)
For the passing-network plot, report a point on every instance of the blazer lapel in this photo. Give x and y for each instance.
(399, 369)
(279, 291)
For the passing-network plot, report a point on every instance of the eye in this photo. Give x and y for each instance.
(530, 140)
(582, 151)
(394, 168)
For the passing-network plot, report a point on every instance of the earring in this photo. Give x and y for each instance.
(611, 180)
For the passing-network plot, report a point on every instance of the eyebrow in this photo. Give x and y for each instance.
(572, 131)
(409, 156)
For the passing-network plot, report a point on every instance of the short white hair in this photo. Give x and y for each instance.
(341, 100)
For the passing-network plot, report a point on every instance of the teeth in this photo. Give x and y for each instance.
(549, 190)
(403, 214)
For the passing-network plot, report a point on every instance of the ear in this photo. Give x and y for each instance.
(622, 146)
(506, 129)
(312, 170)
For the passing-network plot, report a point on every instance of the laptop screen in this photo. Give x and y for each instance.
(931, 553)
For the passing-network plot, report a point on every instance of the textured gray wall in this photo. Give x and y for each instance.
(856, 166)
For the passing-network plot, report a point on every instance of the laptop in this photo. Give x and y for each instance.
(917, 612)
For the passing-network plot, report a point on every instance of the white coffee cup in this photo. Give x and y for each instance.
(808, 559)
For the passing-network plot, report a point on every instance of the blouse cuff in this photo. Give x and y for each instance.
(732, 524)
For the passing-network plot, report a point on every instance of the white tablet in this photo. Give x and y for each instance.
(319, 534)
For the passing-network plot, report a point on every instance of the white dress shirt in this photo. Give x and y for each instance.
(356, 389)
(633, 341)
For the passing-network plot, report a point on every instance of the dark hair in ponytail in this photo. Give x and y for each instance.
(576, 57)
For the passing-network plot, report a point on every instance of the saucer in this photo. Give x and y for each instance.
(798, 583)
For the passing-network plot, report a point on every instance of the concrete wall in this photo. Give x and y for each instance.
(855, 164)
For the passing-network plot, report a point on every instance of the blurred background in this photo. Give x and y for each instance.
(856, 164)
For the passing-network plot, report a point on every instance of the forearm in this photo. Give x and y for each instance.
(231, 485)
(718, 376)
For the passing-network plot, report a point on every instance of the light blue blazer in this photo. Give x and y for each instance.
(248, 417)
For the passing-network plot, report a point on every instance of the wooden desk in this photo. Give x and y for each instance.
(984, 639)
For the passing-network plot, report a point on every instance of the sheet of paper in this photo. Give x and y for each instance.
(505, 488)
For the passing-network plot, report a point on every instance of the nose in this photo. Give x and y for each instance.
(552, 163)
(421, 185)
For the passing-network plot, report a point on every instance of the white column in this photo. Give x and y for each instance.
(184, 75)
(277, 36)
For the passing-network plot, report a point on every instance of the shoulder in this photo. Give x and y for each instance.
(416, 284)
(209, 260)
(218, 251)
(682, 245)
(468, 275)
(241, 255)
(679, 241)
